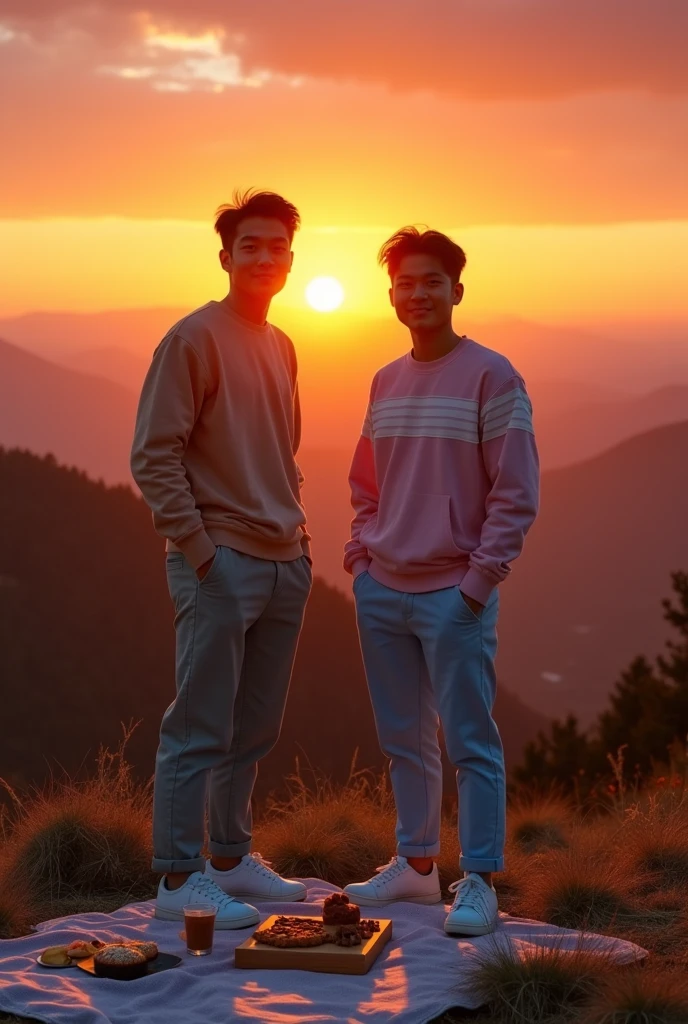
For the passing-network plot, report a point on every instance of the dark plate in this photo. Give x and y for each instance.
(162, 962)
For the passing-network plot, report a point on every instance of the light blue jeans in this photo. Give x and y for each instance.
(237, 632)
(429, 658)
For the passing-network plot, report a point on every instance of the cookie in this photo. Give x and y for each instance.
(292, 932)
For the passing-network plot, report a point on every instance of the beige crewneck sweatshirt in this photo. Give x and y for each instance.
(217, 431)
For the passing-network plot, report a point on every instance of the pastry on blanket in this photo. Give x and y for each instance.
(80, 949)
(338, 910)
(149, 949)
(56, 956)
(121, 962)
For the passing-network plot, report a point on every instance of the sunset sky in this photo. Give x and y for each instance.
(549, 138)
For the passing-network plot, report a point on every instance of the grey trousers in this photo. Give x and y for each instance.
(237, 632)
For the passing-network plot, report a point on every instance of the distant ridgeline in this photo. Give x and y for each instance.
(87, 642)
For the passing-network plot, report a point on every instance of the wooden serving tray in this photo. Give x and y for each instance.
(328, 959)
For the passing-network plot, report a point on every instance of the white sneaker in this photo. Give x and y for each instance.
(396, 881)
(254, 879)
(198, 888)
(475, 910)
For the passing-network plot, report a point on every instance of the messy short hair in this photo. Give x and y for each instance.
(254, 203)
(409, 240)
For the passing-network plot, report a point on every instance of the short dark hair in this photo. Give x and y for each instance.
(254, 203)
(409, 240)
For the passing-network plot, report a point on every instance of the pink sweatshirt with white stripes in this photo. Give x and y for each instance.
(445, 477)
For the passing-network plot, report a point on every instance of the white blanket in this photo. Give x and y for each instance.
(421, 973)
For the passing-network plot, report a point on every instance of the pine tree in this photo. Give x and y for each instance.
(674, 666)
(639, 717)
(555, 759)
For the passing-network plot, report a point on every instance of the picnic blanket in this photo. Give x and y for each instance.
(421, 972)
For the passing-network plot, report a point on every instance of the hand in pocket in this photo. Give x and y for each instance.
(204, 569)
(475, 606)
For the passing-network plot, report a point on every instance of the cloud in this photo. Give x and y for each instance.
(209, 42)
(86, 145)
(104, 98)
(126, 72)
(485, 49)
(138, 48)
(216, 72)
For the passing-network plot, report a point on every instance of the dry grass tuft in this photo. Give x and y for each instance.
(537, 825)
(340, 834)
(668, 863)
(83, 845)
(15, 913)
(640, 997)
(538, 984)
(511, 883)
(655, 844)
(573, 889)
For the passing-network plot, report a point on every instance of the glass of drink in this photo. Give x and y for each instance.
(199, 925)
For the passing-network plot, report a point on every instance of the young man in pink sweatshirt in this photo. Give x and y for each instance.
(444, 486)
(217, 432)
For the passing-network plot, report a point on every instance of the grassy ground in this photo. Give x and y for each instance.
(620, 870)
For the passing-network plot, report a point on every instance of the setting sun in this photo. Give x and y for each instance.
(324, 294)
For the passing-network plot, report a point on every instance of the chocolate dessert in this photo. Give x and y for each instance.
(149, 949)
(338, 910)
(121, 962)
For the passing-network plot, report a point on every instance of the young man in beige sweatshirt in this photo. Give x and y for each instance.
(217, 432)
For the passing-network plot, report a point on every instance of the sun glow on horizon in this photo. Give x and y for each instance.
(324, 294)
(522, 271)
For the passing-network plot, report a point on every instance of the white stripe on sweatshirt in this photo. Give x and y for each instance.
(445, 477)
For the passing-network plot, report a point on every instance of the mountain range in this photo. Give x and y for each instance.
(85, 421)
(626, 357)
(585, 595)
(88, 422)
(86, 641)
(628, 491)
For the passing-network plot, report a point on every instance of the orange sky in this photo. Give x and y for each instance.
(549, 139)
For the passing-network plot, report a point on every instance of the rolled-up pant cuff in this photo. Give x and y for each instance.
(167, 867)
(431, 850)
(229, 849)
(476, 864)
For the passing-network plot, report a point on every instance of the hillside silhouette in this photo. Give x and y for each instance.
(626, 356)
(86, 639)
(586, 596)
(80, 402)
(564, 632)
(85, 420)
(585, 430)
(588, 392)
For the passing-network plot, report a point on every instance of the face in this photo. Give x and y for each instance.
(423, 294)
(261, 257)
